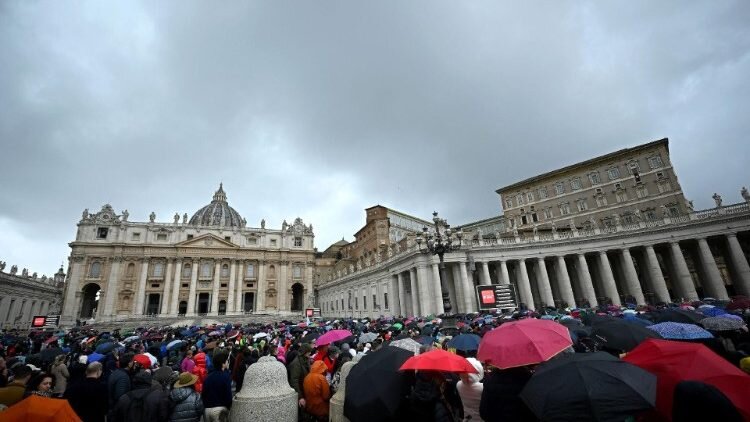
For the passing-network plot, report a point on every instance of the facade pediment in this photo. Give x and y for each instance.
(209, 241)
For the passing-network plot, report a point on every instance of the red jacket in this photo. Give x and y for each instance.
(200, 370)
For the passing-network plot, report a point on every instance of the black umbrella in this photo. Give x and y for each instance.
(49, 354)
(679, 315)
(375, 387)
(309, 337)
(622, 335)
(589, 387)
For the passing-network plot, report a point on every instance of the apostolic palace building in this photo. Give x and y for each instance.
(612, 229)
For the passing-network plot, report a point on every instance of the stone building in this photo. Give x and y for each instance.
(24, 295)
(630, 184)
(210, 264)
(617, 253)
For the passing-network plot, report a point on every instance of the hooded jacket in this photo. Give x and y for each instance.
(470, 390)
(143, 403)
(317, 392)
(500, 396)
(200, 370)
(188, 406)
(298, 370)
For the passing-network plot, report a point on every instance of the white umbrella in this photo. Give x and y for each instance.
(407, 344)
(260, 335)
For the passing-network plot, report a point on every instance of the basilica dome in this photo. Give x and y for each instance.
(218, 213)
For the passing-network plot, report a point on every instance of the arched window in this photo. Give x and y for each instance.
(186, 271)
(225, 270)
(159, 269)
(130, 272)
(206, 269)
(96, 269)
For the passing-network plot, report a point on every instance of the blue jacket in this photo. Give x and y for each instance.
(217, 390)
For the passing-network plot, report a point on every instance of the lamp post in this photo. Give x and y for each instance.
(439, 242)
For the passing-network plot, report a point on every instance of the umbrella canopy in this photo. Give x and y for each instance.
(94, 357)
(589, 387)
(407, 344)
(397, 326)
(375, 387)
(679, 315)
(465, 342)
(621, 335)
(41, 409)
(678, 331)
(523, 342)
(673, 361)
(718, 323)
(105, 348)
(366, 338)
(439, 360)
(216, 333)
(131, 339)
(332, 336)
(50, 340)
(738, 303)
(309, 337)
(174, 344)
(712, 311)
(260, 335)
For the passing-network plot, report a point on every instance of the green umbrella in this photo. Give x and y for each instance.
(397, 326)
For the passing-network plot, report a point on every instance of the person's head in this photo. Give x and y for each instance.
(305, 350)
(476, 377)
(221, 360)
(59, 359)
(41, 382)
(189, 354)
(22, 373)
(125, 360)
(186, 380)
(94, 370)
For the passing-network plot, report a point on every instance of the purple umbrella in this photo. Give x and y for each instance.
(332, 336)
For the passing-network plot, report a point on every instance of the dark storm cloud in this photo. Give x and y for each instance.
(319, 109)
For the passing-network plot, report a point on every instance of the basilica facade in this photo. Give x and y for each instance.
(211, 263)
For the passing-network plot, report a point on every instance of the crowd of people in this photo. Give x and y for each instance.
(188, 374)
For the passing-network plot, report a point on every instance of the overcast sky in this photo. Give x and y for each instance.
(322, 109)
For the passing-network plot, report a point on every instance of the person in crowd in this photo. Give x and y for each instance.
(143, 403)
(40, 385)
(3, 372)
(316, 391)
(77, 369)
(698, 401)
(200, 371)
(336, 377)
(59, 370)
(186, 403)
(14, 391)
(217, 390)
(470, 390)
(164, 378)
(427, 399)
(119, 381)
(500, 395)
(298, 370)
(89, 397)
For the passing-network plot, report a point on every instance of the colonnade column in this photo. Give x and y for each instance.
(485, 279)
(740, 264)
(164, 311)
(545, 290)
(112, 287)
(283, 287)
(438, 307)
(682, 273)
(503, 277)
(425, 302)
(414, 292)
(657, 278)
(713, 283)
(459, 289)
(584, 278)
(214, 310)
(174, 305)
(608, 279)
(232, 281)
(469, 296)
(631, 277)
(524, 285)
(140, 294)
(401, 294)
(262, 286)
(563, 280)
(194, 268)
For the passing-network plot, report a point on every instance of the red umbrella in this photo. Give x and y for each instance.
(523, 342)
(439, 360)
(674, 361)
(332, 336)
(50, 340)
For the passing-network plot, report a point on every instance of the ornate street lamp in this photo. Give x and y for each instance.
(438, 242)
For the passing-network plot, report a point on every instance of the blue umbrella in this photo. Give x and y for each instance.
(680, 331)
(95, 357)
(105, 347)
(465, 342)
(712, 312)
(635, 320)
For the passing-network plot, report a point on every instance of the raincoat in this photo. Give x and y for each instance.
(316, 390)
(200, 370)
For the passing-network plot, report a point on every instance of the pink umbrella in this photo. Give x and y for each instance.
(524, 342)
(334, 336)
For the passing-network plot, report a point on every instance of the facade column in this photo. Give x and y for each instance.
(45, 307)
(414, 291)
(713, 283)
(174, 303)
(239, 284)
(682, 273)
(503, 276)
(633, 285)
(468, 290)
(71, 288)
(140, 294)
(214, 309)
(524, 285)
(608, 279)
(283, 286)
(424, 284)
(458, 286)
(168, 281)
(401, 295)
(262, 287)
(485, 279)
(741, 266)
(438, 307)
(309, 290)
(112, 288)
(545, 289)
(4, 308)
(230, 290)
(584, 277)
(563, 280)
(656, 276)
(194, 269)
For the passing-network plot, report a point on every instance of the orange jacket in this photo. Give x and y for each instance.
(317, 392)
(200, 370)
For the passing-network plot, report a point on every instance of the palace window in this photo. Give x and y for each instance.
(641, 191)
(374, 301)
(101, 232)
(594, 178)
(206, 269)
(634, 167)
(519, 199)
(674, 211)
(225, 270)
(664, 186)
(530, 196)
(559, 188)
(273, 242)
(509, 203)
(565, 209)
(364, 302)
(186, 271)
(252, 241)
(190, 236)
(385, 300)
(650, 214)
(297, 271)
(298, 242)
(601, 201)
(135, 236)
(582, 205)
(96, 269)
(548, 213)
(613, 173)
(655, 162)
(356, 303)
(158, 269)
(250, 271)
(575, 183)
(621, 195)
(161, 236)
(543, 192)
(628, 218)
